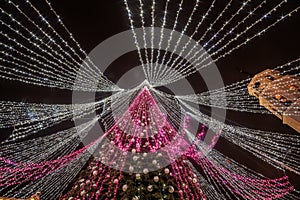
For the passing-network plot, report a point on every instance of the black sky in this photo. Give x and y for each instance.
(93, 21)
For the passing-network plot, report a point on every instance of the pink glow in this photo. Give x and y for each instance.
(144, 116)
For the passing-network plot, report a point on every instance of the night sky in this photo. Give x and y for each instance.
(93, 21)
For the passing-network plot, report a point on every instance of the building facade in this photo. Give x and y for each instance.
(280, 94)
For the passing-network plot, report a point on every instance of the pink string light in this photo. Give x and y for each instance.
(142, 113)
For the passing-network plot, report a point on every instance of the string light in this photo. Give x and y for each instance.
(172, 33)
(141, 121)
(130, 16)
(64, 57)
(190, 38)
(237, 97)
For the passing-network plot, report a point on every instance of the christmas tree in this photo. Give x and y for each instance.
(129, 165)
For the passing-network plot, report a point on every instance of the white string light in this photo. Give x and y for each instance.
(34, 61)
(172, 32)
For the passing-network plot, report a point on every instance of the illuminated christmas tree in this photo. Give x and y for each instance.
(141, 131)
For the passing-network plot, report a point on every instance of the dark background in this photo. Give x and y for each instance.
(93, 21)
